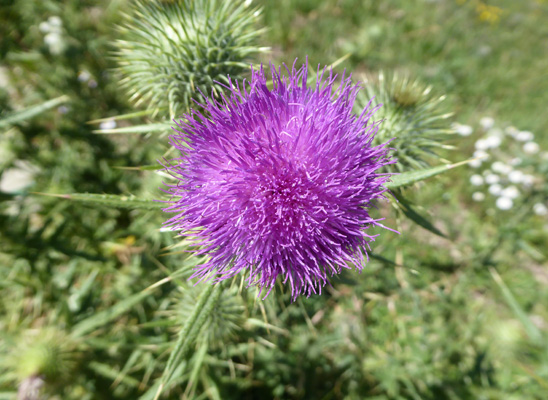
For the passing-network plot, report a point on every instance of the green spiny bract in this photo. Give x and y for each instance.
(226, 319)
(169, 51)
(412, 115)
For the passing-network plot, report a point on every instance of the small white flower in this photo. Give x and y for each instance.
(501, 168)
(491, 179)
(84, 76)
(54, 42)
(52, 38)
(495, 189)
(528, 180)
(463, 130)
(55, 21)
(512, 131)
(476, 180)
(516, 176)
(482, 144)
(105, 125)
(540, 209)
(63, 109)
(515, 161)
(493, 141)
(92, 84)
(475, 163)
(525, 136)
(478, 196)
(531, 148)
(511, 192)
(44, 27)
(481, 154)
(504, 203)
(487, 123)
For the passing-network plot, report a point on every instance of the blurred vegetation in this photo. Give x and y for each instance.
(92, 301)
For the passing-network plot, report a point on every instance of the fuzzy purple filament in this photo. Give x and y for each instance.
(278, 181)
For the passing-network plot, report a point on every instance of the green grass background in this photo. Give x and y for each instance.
(462, 317)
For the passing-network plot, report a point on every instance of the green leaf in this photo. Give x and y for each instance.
(28, 113)
(143, 129)
(381, 259)
(414, 216)
(411, 177)
(122, 117)
(111, 200)
(104, 317)
(532, 331)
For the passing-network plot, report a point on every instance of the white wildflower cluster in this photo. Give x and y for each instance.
(504, 164)
(53, 34)
(85, 77)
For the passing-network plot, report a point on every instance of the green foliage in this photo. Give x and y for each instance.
(172, 50)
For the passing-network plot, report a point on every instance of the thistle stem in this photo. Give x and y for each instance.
(189, 333)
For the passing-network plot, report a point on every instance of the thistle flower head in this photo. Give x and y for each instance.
(278, 182)
(412, 115)
(170, 49)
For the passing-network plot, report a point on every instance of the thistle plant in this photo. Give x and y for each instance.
(279, 182)
(169, 51)
(411, 114)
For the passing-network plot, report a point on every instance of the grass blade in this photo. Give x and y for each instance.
(532, 331)
(104, 317)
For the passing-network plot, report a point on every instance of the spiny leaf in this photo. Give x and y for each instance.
(382, 259)
(111, 200)
(411, 177)
(121, 117)
(147, 128)
(28, 113)
(414, 216)
(143, 168)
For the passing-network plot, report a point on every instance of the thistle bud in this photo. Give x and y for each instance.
(171, 50)
(412, 115)
(43, 355)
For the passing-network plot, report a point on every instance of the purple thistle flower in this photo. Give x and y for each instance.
(278, 182)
